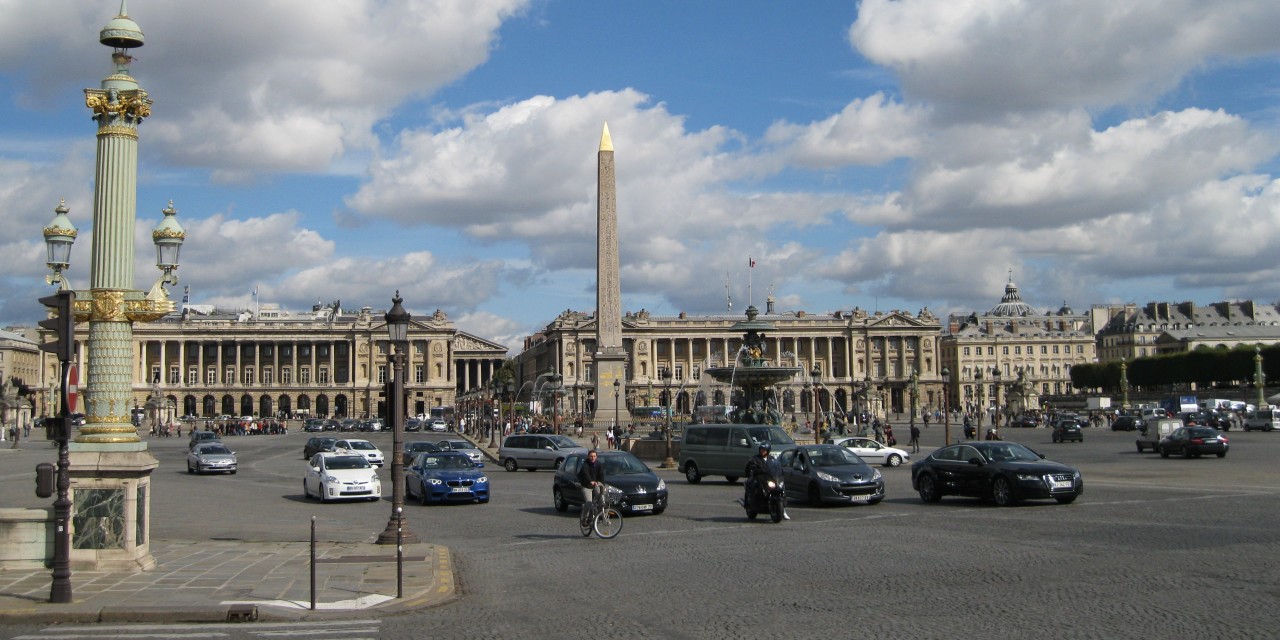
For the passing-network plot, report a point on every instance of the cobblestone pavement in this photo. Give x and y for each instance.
(1165, 548)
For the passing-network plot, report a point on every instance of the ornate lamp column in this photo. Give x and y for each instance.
(1259, 378)
(946, 406)
(110, 467)
(1124, 384)
(669, 462)
(398, 333)
(815, 377)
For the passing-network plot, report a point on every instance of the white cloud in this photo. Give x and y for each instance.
(870, 131)
(993, 56)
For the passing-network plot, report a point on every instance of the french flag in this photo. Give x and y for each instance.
(751, 262)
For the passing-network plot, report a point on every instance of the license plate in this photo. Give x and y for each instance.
(1061, 484)
(460, 490)
(642, 507)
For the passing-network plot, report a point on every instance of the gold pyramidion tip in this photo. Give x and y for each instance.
(606, 143)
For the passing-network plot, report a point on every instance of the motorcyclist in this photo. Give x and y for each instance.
(757, 468)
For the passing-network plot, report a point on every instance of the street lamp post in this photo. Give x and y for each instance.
(815, 378)
(995, 378)
(915, 396)
(946, 406)
(397, 320)
(669, 462)
(617, 386)
(1259, 378)
(982, 396)
(1124, 384)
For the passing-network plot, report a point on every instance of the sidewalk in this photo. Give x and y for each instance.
(214, 581)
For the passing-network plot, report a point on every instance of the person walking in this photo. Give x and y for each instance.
(915, 439)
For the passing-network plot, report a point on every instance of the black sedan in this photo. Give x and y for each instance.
(1193, 441)
(1006, 472)
(412, 449)
(830, 473)
(1065, 430)
(642, 490)
(316, 444)
(1129, 423)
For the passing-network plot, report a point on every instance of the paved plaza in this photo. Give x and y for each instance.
(1166, 548)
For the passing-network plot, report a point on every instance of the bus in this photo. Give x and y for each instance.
(712, 413)
(648, 413)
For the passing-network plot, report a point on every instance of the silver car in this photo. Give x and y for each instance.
(463, 446)
(211, 457)
(874, 452)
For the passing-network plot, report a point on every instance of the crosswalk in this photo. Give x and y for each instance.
(364, 629)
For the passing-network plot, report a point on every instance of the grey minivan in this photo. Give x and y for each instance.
(725, 449)
(536, 451)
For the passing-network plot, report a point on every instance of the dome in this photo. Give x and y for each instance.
(1011, 304)
(121, 32)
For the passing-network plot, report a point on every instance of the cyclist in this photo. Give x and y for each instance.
(591, 477)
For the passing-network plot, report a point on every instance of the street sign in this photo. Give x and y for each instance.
(73, 388)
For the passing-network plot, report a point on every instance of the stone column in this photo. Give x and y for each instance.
(610, 357)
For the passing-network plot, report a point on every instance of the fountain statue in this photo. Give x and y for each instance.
(754, 374)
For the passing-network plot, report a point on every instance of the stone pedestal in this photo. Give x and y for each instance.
(610, 365)
(111, 507)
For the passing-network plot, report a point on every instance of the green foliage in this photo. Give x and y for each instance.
(1204, 366)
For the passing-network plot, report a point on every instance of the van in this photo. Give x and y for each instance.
(536, 451)
(1152, 413)
(1263, 419)
(725, 449)
(1156, 429)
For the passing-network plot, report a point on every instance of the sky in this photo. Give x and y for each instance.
(879, 154)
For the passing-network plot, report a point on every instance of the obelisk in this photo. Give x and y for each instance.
(610, 358)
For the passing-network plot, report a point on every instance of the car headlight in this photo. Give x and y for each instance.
(875, 474)
(822, 475)
(662, 485)
(374, 479)
(1028, 477)
(482, 480)
(436, 481)
(331, 478)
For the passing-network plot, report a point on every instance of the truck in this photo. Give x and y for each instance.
(1097, 403)
(1157, 428)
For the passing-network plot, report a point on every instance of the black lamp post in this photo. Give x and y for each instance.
(982, 392)
(398, 333)
(617, 388)
(995, 377)
(669, 462)
(815, 377)
(946, 405)
(915, 396)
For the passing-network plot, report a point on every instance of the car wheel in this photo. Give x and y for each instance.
(731, 479)
(1222, 454)
(233, 472)
(1055, 439)
(1164, 453)
(691, 473)
(190, 469)
(306, 493)
(422, 499)
(510, 464)
(1002, 492)
(483, 501)
(558, 499)
(894, 460)
(929, 489)
(1065, 499)
(1139, 448)
(815, 495)
(321, 490)
(1186, 453)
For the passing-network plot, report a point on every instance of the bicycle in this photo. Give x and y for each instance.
(601, 514)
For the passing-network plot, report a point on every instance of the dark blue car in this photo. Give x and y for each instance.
(447, 476)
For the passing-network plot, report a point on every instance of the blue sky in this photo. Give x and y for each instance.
(870, 154)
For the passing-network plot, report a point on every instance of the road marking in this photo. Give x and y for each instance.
(326, 628)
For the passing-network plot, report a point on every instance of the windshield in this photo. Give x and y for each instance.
(1203, 432)
(460, 444)
(833, 457)
(1008, 452)
(217, 450)
(421, 446)
(444, 462)
(362, 445)
(772, 435)
(562, 441)
(347, 462)
(622, 465)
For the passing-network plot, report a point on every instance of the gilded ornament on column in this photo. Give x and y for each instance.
(108, 306)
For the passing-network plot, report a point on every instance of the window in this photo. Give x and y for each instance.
(382, 374)
(248, 375)
(286, 375)
(230, 377)
(193, 376)
(175, 375)
(966, 351)
(419, 374)
(155, 375)
(322, 375)
(268, 376)
(697, 372)
(991, 351)
(1044, 349)
(1004, 350)
(1079, 348)
(1055, 349)
(304, 375)
(1017, 351)
(679, 372)
(211, 376)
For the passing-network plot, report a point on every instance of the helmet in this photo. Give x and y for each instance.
(764, 446)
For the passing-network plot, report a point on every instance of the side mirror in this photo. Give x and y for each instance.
(479, 465)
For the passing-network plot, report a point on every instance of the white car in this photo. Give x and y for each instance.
(873, 452)
(439, 425)
(362, 447)
(341, 476)
(463, 446)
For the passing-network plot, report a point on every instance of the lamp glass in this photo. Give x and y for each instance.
(59, 250)
(397, 321)
(167, 253)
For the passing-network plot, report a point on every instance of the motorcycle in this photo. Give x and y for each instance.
(768, 495)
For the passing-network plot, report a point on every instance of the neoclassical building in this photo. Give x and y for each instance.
(1129, 331)
(267, 362)
(866, 360)
(1013, 356)
(20, 358)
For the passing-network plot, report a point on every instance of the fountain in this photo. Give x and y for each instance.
(754, 375)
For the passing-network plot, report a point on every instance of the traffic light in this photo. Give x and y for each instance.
(63, 325)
